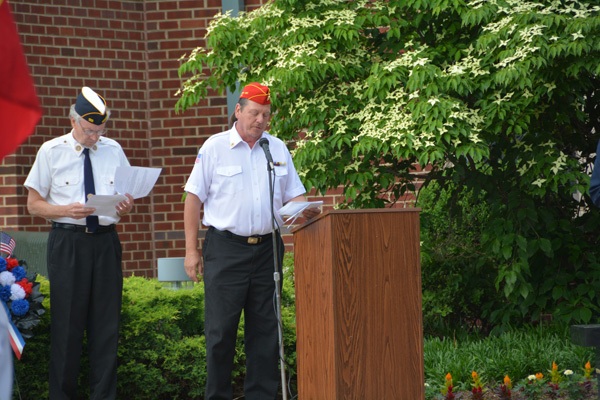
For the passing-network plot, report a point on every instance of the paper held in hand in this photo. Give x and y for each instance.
(294, 209)
(137, 181)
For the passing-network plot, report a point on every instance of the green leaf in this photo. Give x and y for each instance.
(546, 246)
(507, 252)
(558, 292)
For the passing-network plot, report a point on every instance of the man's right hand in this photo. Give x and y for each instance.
(39, 206)
(193, 265)
(78, 211)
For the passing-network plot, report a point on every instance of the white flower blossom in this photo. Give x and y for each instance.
(539, 182)
(528, 33)
(17, 292)
(6, 278)
(474, 138)
(559, 163)
(577, 35)
(519, 54)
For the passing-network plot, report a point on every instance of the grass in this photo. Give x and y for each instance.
(517, 353)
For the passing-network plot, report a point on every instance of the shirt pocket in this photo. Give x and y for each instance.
(230, 179)
(281, 176)
(68, 184)
(106, 185)
(281, 172)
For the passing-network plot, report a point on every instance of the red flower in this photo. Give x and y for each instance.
(11, 263)
(505, 392)
(27, 286)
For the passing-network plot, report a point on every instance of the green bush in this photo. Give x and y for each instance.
(162, 349)
(464, 287)
(457, 280)
(32, 369)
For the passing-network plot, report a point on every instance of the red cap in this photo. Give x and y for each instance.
(257, 93)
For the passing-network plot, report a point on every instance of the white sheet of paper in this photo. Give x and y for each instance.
(294, 209)
(105, 204)
(137, 181)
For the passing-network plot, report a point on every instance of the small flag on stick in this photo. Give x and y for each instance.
(8, 244)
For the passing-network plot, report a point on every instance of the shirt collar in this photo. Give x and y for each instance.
(235, 138)
(78, 147)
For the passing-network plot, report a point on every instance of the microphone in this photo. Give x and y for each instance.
(264, 143)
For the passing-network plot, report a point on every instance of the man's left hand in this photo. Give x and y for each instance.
(311, 213)
(125, 207)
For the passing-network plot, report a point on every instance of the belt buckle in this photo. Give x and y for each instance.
(87, 230)
(253, 240)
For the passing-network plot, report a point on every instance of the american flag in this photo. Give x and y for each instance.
(8, 244)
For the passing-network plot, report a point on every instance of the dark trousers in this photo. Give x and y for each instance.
(239, 276)
(86, 284)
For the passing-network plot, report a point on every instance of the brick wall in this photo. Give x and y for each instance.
(129, 52)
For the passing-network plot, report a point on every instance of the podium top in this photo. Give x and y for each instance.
(354, 211)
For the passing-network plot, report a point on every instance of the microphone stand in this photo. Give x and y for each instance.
(277, 279)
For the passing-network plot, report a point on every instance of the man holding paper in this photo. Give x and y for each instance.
(230, 180)
(84, 251)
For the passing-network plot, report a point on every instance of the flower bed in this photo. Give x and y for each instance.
(560, 384)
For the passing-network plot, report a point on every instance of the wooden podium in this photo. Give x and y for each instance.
(358, 306)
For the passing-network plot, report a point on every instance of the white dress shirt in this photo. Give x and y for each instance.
(57, 173)
(232, 182)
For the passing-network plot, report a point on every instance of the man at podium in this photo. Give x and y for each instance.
(231, 179)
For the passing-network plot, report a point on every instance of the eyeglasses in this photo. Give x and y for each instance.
(91, 132)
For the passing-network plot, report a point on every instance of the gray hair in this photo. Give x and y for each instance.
(73, 114)
(242, 102)
(232, 119)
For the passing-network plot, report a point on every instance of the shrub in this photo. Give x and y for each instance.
(162, 352)
(32, 369)
(458, 281)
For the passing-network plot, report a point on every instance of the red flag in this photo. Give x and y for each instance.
(19, 106)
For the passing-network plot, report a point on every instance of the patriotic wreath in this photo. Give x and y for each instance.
(22, 296)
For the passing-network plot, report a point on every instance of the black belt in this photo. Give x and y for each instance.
(83, 228)
(254, 239)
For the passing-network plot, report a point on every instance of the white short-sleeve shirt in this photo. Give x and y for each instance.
(232, 182)
(57, 173)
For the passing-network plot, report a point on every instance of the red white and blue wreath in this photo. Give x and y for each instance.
(21, 300)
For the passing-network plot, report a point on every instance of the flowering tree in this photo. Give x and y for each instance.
(495, 96)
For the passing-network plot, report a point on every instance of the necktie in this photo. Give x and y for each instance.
(91, 221)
